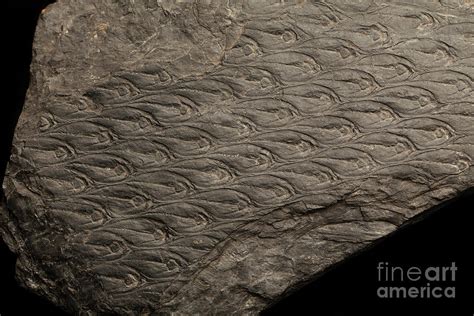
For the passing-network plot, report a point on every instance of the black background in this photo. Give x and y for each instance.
(442, 237)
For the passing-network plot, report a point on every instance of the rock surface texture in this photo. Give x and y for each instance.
(208, 157)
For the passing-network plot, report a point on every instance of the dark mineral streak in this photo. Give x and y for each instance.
(207, 157)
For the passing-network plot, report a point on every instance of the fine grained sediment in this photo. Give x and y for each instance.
(207, 157)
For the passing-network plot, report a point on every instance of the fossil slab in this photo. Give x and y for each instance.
(208, 157)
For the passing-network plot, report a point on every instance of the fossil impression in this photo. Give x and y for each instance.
(207, 157)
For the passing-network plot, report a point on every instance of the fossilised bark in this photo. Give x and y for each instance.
(207, 157)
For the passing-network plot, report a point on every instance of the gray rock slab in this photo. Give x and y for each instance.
(208, 157)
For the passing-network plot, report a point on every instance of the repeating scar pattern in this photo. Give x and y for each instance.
(208, 157)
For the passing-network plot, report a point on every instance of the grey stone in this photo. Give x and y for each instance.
(208, 157)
